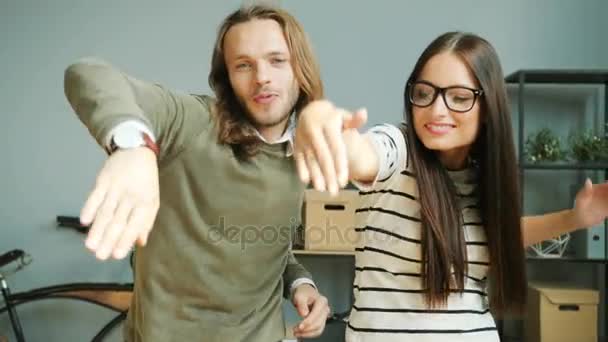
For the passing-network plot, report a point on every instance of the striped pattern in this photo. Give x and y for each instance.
(389, 301)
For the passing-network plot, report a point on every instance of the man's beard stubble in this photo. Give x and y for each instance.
(284, 116)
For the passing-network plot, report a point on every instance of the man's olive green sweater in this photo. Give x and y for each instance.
(218, 260)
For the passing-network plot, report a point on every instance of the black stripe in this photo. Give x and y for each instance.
(388, 289)
(385, 289)
(475, 279)
(380, 269)
(406, 274)
(408, 173)
(384, 179)
(471, 206)
(423, 311)
(391, 140)
(383, 231)
(392, 192)
(477, 243)
(471, 195)
(394, 255)
(482, 263)
(390, 212)
(394, 147)
(421, 331)
(371, 249)
(473, 224)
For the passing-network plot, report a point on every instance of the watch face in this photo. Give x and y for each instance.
(128, 138)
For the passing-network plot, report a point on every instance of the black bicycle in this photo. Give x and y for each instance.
(113, 296)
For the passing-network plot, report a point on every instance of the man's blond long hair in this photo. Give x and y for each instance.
(235, 128)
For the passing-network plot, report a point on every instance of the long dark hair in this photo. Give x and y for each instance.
(443, 244)
(234, 127)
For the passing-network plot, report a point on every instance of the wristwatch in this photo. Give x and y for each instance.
(131, 137)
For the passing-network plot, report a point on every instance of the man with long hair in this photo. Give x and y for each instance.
(214, 256)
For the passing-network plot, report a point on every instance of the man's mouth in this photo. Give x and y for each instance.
(264, 98)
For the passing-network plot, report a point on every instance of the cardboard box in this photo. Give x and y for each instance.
(329, 221)
(558, 314)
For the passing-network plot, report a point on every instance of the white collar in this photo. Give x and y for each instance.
(286, 137)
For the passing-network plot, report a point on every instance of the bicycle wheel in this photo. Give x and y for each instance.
(103, 333)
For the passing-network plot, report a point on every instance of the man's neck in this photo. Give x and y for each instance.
(273, 133)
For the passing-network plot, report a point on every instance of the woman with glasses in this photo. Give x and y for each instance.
(441, 234)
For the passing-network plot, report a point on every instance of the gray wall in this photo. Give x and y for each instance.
(366, 50)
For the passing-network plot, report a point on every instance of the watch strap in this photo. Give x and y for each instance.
(148, 142)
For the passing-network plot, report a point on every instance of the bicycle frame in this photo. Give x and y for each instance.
(113, 296)
(12, 313)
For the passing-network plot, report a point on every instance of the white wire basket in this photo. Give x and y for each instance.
(553, 248)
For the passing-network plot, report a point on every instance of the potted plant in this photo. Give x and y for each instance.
(543, 145)
(586, 146)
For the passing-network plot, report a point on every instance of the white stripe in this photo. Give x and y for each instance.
(421, 322)
(486, 336)
(393, 300)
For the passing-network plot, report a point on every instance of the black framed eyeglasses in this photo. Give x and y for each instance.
(457, 98)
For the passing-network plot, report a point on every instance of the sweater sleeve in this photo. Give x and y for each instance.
(293, 272)
(391, 148)
(103, 97)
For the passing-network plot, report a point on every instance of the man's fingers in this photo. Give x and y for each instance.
(299, 154)
(317, 313)
(115, 229)
(318, 181)
(92, 204)
(335, 140)
(310, 333)
(320, 128)
(314, 323)
(149, 216)
(130, 178)
(103, 216)
(357, 120)
(133, 229)
(301, 166)
(301, 307)
(324, 158)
